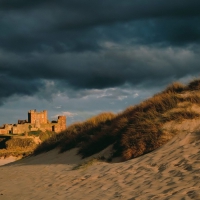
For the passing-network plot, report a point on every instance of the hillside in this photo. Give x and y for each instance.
(162, 134)
(137, 130)
(170, 172)
(18, 146)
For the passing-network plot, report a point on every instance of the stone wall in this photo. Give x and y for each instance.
(34, 117)
(36, 121)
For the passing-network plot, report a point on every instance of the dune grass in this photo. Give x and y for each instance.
(76, 134)
(20, 143)
(175, 87)
(194, 85)
(134, 132)
(180, 116)
(15, 152)
(17, 146)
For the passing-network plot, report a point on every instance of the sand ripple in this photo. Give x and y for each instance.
(171, 172)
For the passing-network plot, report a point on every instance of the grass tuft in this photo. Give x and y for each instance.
(194, 85)
(175, 88)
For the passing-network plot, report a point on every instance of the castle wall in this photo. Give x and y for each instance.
(34, 117)
(21, 128)
(36, 121)
(3, 131)
(47, 127)
(6, 129)
(62, 122)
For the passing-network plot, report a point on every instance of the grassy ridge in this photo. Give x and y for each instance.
(134, 132)
(22, 145)
(76, 134)
(16, 146)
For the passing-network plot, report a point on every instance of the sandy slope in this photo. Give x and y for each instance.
(171, 172)
(10, 159)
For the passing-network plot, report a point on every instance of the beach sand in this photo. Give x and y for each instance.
(10, 159)
(170, 172)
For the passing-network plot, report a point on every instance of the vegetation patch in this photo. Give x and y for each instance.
(194, 85)
(20, 143)
(76, 134)
(180, 116)
(48, 144)
(175, 88)
(17, 146)
(15, 152)
(41, 134)
(134, 132)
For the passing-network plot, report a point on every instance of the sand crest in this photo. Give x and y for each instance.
(170, 172)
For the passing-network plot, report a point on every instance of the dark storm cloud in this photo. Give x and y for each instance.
(109, 68)
(132, 7)
(78, 26)
(10, 86)
(94, 44)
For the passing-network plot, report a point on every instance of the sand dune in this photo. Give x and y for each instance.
(171, 172)
(10, 159)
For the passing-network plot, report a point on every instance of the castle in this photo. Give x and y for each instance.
(36, 121)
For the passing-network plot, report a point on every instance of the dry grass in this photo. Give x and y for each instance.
(180, 116)
(43, 135)
(49, 144)
(15, 152)
(194, 98)
(76, 134)
(134, 132)
(20, 143)
(17, 146)
(194, 85)
(175, 88)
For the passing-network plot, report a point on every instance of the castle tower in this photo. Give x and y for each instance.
(37, 117)
(62, 122)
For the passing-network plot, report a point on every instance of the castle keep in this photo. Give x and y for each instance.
(36, 121)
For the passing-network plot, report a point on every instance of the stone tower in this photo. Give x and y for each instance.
(35, 117)
(62, 122)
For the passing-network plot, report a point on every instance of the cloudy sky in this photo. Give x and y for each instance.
(82, 57)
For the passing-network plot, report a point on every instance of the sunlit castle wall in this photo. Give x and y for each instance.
(34, 116)
(62, 122)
